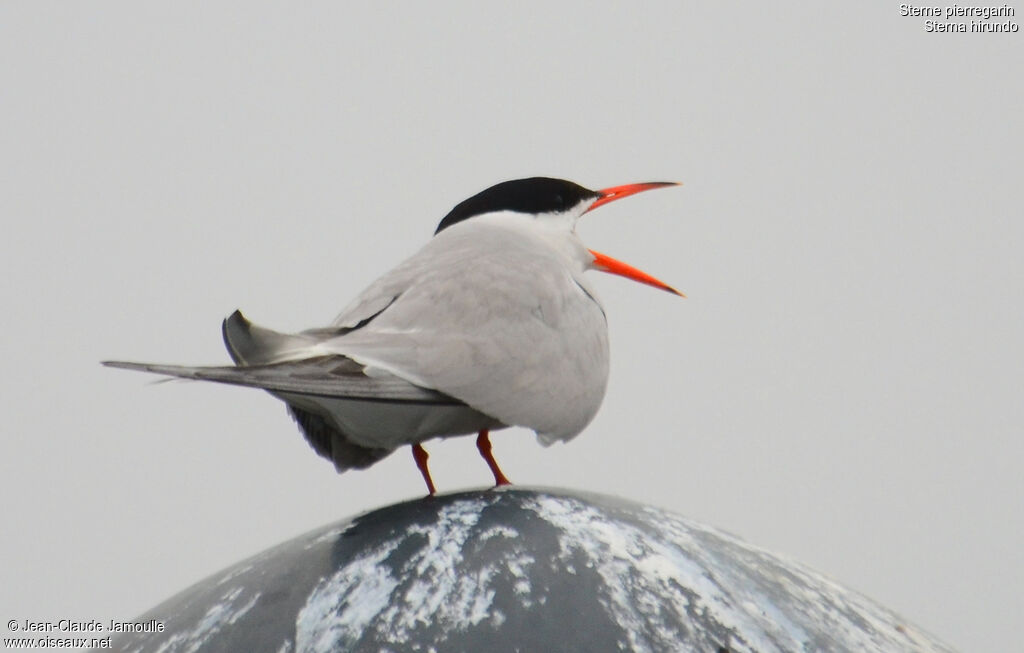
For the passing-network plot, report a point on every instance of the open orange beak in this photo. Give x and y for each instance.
(605, 263)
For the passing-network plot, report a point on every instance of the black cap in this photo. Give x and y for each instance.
(533, 195)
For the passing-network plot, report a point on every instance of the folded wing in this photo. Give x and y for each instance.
(322, 376)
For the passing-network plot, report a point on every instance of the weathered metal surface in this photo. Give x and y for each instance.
(521, 570)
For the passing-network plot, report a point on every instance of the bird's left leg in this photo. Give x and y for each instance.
(483, 444)
(420, 454)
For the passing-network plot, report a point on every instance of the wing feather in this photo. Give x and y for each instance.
(323, 376)
(485, 315)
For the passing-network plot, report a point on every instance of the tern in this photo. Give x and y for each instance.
(491, 324)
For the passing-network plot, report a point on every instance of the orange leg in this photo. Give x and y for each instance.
(420, 454)
(483, 444)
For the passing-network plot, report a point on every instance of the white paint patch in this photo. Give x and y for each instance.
(235, 573)
(795, 607)
(221, 614)
(341, 607)
(647, 582)
(667, 570)
(364, 597)
(518, 567)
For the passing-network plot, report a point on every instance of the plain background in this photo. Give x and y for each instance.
(843, 384)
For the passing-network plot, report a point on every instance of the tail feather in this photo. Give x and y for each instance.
(249, 344)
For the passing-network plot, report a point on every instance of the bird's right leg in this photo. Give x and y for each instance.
(420, 454)
(483, 445)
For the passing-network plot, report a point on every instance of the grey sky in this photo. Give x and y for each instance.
(843, 384)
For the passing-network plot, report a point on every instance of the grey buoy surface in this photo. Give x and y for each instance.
(521, 570)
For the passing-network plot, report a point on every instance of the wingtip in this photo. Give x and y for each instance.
(125, 365)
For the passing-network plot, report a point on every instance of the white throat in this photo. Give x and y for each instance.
(556, 231)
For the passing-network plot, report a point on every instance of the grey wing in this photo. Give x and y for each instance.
(484, 316)
(374, 300)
